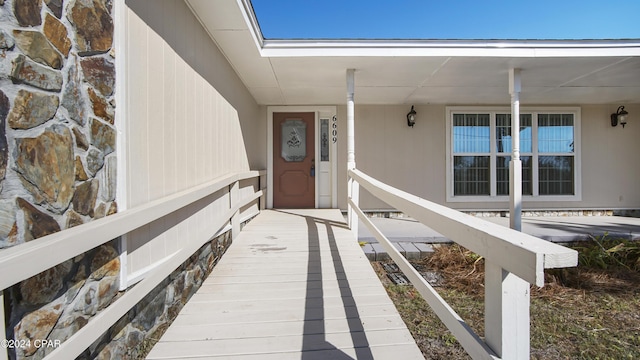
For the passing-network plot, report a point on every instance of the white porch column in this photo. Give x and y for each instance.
(507, 297)
(351, 144)
(353, 190)
(515, 172)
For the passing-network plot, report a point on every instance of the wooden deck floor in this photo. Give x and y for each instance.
(293, 285)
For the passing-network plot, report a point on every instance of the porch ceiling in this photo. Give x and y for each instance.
(413, 72)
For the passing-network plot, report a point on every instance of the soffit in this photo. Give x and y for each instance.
(316, 74)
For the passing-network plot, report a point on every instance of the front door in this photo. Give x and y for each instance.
(294, 160)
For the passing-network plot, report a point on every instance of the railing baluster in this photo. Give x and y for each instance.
(123, 249)
(262, 185)
(349, 210)
(506, 311)
(234, 194)
(354, 195)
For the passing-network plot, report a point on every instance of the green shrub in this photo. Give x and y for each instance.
(603, 253)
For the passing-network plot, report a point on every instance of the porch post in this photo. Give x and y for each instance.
(506, 313)
(353, 188)
(515, 172)
(507, 297)
(351, 147)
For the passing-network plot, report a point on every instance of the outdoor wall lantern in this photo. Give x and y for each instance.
(411, 117)
(619, 117)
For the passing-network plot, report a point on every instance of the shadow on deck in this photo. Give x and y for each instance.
(295, 284)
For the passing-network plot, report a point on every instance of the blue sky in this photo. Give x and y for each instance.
(448, 19)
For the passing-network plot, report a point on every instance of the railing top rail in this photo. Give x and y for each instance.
(31, 258)
(522, 254)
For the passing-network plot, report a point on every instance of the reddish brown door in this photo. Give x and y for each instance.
(293, 160)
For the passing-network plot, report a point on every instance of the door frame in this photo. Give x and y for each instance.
(320, 112)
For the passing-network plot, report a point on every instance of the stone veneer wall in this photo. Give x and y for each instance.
(58, 170)
(135, 333)
(57, 139)
(57, 159)
(94, 286)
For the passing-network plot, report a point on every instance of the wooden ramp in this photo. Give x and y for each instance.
(295, 284)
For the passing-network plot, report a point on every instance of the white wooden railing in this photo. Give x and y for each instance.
(513, 261)
(23, 261)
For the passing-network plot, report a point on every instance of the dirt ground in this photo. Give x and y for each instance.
(588, 312)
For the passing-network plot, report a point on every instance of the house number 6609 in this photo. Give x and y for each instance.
(334, 126)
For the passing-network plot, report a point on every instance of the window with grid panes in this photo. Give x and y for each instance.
(472, 151)
(556, 154)
(481, 144)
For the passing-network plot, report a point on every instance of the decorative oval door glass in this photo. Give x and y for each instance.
(294, 140)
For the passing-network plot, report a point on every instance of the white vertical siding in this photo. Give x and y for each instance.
(136, 130)
(180, 130)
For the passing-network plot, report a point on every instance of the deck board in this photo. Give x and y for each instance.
(293, 285)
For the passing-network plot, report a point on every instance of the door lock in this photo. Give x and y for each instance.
(313, 167)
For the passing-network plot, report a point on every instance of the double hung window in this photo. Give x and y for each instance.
(480, 149)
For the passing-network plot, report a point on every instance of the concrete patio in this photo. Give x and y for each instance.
(413, 239)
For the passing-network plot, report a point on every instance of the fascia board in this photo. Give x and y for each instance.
(252, 22)
(394, 48)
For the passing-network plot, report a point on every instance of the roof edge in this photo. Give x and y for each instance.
(249, 15)
(482, 48)
(449, 43)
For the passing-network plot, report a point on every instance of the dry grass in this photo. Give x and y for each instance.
(582, 313)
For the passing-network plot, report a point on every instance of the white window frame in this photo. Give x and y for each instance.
(534, 111)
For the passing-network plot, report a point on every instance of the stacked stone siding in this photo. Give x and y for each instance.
(134, 334)
(57, 112)
(58, 302)
(58, 170)
(57, 158)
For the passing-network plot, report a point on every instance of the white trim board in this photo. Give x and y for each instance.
(121, 126)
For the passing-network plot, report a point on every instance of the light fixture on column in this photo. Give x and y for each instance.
(411, 117)
(620, 117)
